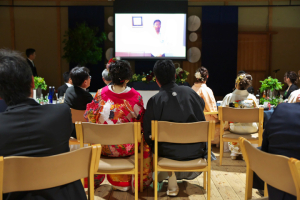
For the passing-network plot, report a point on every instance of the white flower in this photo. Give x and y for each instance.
(178, 69)
(198, 75)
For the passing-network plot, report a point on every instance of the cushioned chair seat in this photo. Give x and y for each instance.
(228, 134)
(165, 162)
(110, 164)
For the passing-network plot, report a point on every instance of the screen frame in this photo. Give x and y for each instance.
(150, 7)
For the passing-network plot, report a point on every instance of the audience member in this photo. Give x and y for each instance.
(77, 97)
(281, 137)
(68, 83)
(175, 104)
(290, 78)
(250, 89)
(294, 97)
(207, 95)
(243, 81)
(106, 77)
(30, 53)
(114, 104)
(29, 129)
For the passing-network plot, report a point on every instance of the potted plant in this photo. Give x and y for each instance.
(39, 85)
(270, 85)
(181, 75)
(82, 45)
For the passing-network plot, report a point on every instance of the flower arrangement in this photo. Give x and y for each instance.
(147, 78)
(39, 82)
(181, 75)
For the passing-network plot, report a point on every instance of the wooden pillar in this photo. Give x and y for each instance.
(270, 20)
(12, 25)
(58, 19)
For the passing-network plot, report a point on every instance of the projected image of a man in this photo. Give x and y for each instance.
(158, 40)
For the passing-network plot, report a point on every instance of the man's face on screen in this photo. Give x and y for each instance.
(157, 26)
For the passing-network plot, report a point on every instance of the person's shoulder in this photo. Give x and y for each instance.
(133, 91)
(57, 107)
(70, 89)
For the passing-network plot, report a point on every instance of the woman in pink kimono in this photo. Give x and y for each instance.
(115, 104)
(210, 102)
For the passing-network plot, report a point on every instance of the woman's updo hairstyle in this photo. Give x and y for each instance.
(201, 74)
(243, 81)
(292, 76)
(120, 71)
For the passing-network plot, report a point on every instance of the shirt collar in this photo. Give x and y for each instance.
(69, 85)
(28, 101)
(240, 92)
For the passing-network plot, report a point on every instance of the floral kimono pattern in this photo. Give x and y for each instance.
(115, 108)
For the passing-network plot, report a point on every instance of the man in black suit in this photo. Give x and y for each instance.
(68, 83)
(29, 129)
(77, 97)
(30, 53)
(175, 104)
(281, 137)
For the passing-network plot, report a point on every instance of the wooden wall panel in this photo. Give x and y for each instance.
(253, 55)
(192, 67)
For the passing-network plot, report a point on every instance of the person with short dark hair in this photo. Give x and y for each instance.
(291, 79)
(30, 53)
(114, 104)
(157, 41)
(68, 83)
(29, 129)
(77, 97)
(174, 103)
(106, 77)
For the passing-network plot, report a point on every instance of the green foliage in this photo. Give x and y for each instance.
(82, 45)
(147, 78)
(270, 84)
(39, 82)
(274, 101)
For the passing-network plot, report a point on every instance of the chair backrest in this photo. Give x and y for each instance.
(108, 134)
(77, 115)
(242, 115)
(278, 175)
(182, 132)
(295, 170)
(20, 173)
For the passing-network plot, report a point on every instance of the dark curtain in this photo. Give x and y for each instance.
(94, 17)
(219, 47)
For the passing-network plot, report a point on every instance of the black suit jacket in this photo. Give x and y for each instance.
(33, 68)
(62, 90)
(282, 137)
(175, 104)
(77, 98)
(29, 129)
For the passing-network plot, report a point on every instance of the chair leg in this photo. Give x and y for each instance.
(91, 188)
(208, 184)
(204, 180)
(142, 165)
(221, 151)
(155, 184)
(136, 185)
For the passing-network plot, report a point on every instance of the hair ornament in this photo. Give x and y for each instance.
(240, 77)
(198, 76)
(121, 81)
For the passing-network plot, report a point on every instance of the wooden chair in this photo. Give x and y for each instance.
(127, 133)
(56, 170)
(295, 170)
(211, 113)
(183, 133)
(259, 162)
(243, 116)
(77, 116)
